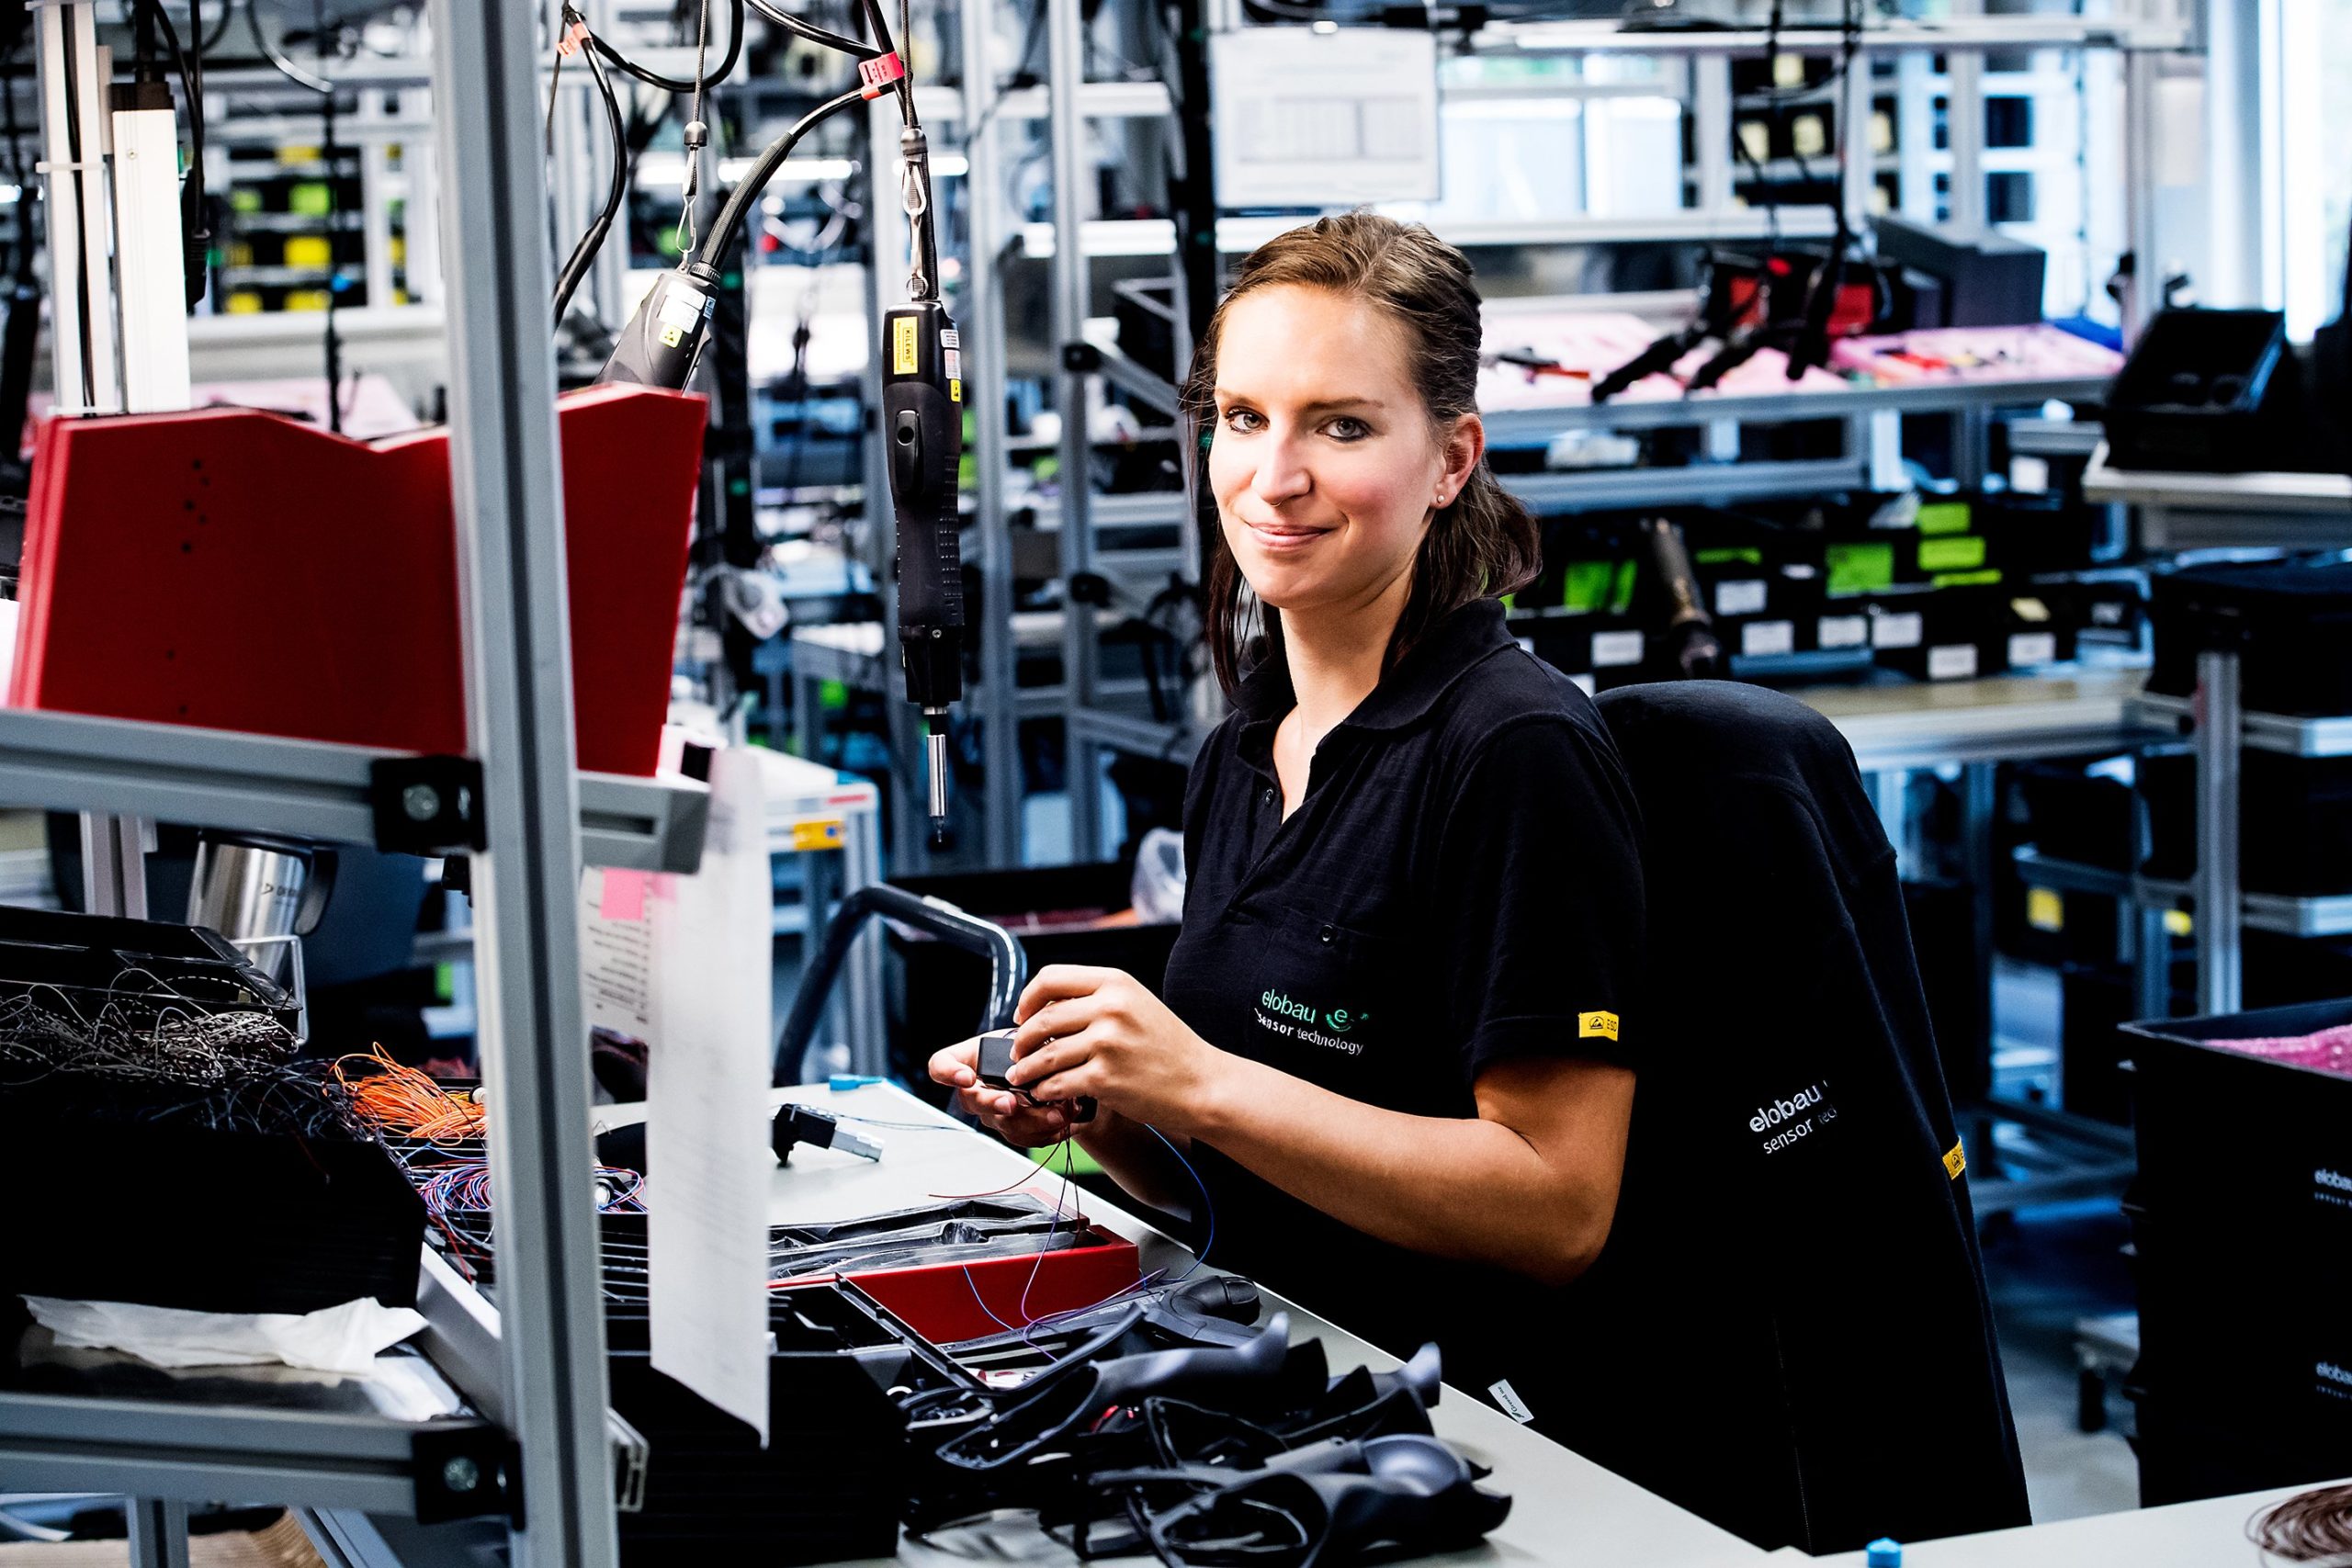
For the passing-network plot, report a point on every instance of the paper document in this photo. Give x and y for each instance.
(707, 1122)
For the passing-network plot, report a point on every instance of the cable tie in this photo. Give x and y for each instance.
(574, 39)
(879, 72)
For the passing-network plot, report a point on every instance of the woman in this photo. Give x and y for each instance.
(1393, 1043)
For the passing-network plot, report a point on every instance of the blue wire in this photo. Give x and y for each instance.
(1208, 1207)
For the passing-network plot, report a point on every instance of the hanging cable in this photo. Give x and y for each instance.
(277, 56)
(812, 33)
(584, 255)
(739, 200)
(701, 81)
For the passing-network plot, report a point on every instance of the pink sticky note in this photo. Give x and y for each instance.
(623, 895)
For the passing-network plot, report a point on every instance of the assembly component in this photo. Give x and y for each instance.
(922, 423)
(797, 1125)
(1008, 960)
(663, 341)
(465, 1470)
(1883, 1553)
(428, 806)
(995, 1061)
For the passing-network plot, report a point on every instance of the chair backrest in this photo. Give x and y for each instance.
(1792, 1178)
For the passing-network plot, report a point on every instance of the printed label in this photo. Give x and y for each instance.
(954, 360)
(822, 833)
(1507, 1399)
(1742, 596)
(1955, 1160)
(879, 73)
(684, 308)
(1611, 650)
(1596, 1026)
(1953, 662)
(2032, 648)
(1844, 631)
(1760, 639)
(902, 345)
(1902, 630)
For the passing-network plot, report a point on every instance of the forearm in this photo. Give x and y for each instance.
(1454, 1187)
(1138, 1162)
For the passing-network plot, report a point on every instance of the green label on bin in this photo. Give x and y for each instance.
(1944, 517)
(1861, 568)
(1957, 552)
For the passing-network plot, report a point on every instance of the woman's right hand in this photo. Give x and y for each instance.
(1009, 1116)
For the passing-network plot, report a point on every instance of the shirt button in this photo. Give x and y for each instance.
(1270, 794)
(1328, 933)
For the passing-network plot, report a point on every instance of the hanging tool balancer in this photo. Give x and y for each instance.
(922, 400)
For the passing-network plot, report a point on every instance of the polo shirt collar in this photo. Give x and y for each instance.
(1405, 695)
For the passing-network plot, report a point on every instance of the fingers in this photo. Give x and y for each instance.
(1058, 1055)
(1061, 982)
(1013, 1119)
(953, 1064)
(1060, 1018)
(1078, 1080)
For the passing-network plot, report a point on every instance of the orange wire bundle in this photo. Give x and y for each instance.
(397, 1098)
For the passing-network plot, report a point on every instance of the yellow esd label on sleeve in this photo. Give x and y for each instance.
(1596, 1026)
(1955, 1161)
(902, 346)
(819, 833)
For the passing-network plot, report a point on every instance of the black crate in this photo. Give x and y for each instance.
(95, 960)
(2245, 1183)
(2290, 620)
(2207, 391)
(2294, 821)
(2187, 1454)
(2075, 815)
(139, 1200)
(831, 1484)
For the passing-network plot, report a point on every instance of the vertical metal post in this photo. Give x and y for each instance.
(2143, 289)
(509, 506)
(1915, 113)
(2241, 145)
(1977, 805)
(1711, 130)
(158, 1533)
(1066, 68)
(114, 865)
(1857, 93)
(73, 119)
(983, 333)
(1964, 126)
(2220, 912)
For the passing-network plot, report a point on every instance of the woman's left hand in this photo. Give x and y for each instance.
(1099, 1032)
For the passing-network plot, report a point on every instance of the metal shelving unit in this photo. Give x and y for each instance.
(311, 789)
(550, 1439)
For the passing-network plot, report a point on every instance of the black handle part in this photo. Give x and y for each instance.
(662, 342)
(922, 421)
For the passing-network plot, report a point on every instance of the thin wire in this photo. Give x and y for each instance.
(1208, 1208)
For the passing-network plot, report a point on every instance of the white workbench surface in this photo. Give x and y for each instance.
(1563, 1508)
(2212, 1534)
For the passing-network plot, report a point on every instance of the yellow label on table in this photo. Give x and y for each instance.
(1596, 1025)
(818, 833)
(902, 345)
(1955, 1161)
(2045, 909)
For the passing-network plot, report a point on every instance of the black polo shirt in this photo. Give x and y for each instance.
(1460, 885)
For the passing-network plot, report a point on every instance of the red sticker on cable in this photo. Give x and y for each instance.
(880, 72)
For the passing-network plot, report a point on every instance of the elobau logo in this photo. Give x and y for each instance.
(2334, 1373)
(1779, 1111)
(2336, 1179)
(1274, 1001)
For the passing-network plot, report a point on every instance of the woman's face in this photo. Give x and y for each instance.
(1324, 464)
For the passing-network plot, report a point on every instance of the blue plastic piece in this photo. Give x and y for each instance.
(841, 1081)
(1883, 1553)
